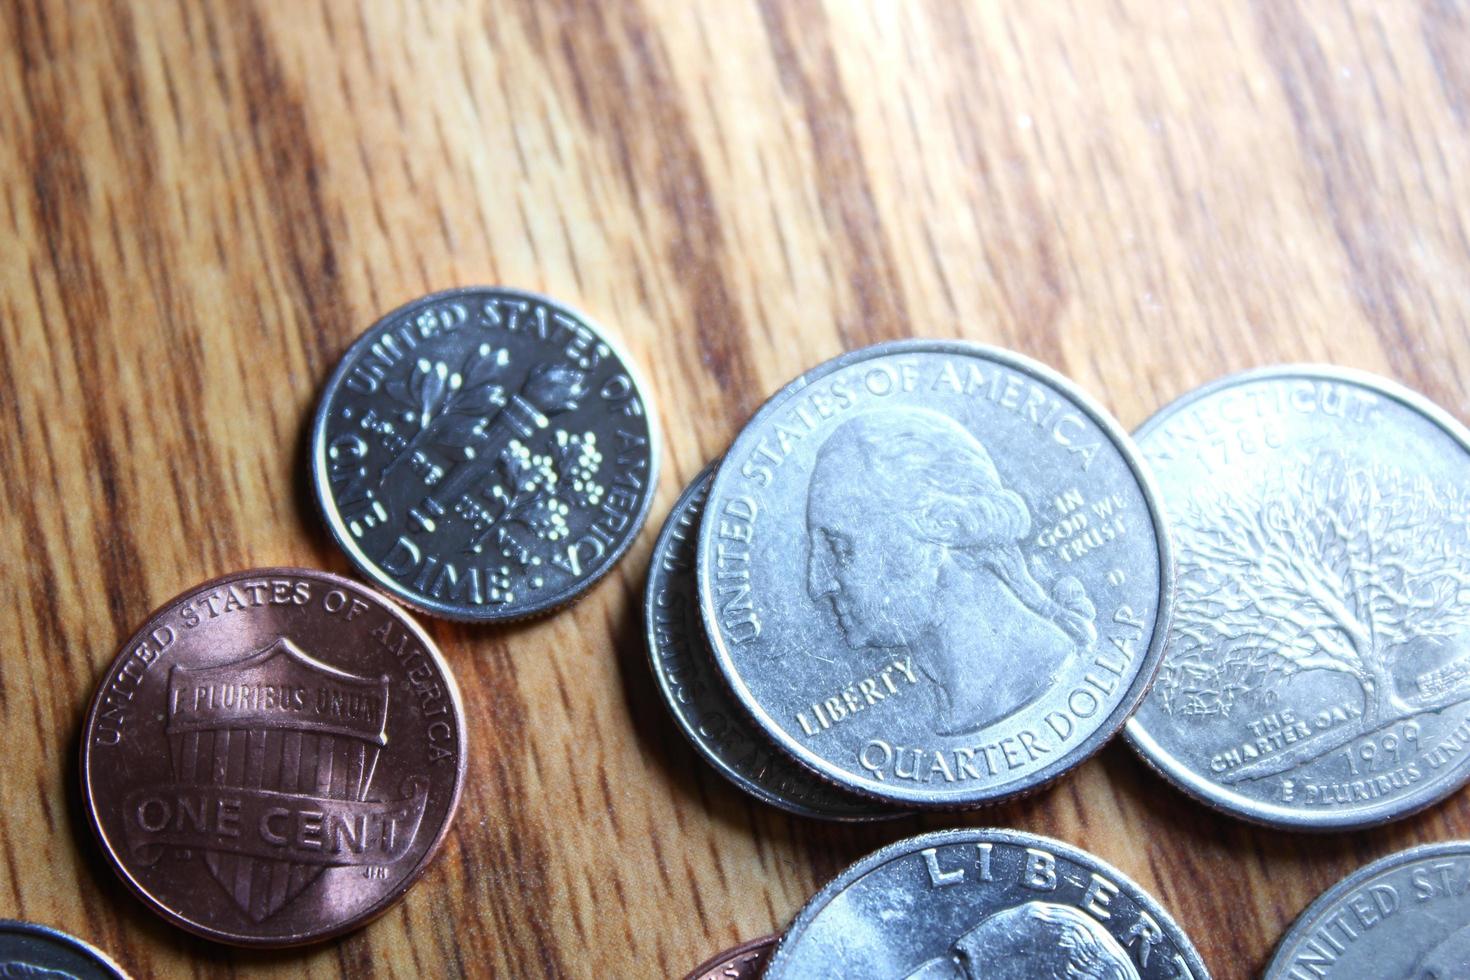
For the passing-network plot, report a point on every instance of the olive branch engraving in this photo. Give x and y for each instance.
(1329, 565)
(449, 408)
(506, 474)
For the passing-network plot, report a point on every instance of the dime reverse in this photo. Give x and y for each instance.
(484, 454)
(36, 952)
(984, 905)
(1317, 674)
(696, 694)
(935, 573)
(274, 757)
(1407, 915)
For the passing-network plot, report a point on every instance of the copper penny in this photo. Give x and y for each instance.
(274, 757)
(744, 962)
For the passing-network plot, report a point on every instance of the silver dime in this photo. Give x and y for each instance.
(935, 573)
(1317, 673)
(38, 952)
(484, 454)
(696, 693)
(1404, 916)
(984, 905)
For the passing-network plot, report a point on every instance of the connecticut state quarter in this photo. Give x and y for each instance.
(484, 454)
(984, 905)
(696, 693)
(1405, 916)
(274, 758)
(1317, 673)
(935, 573)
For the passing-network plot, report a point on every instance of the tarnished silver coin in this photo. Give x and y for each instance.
(1317, 673)
(696, 693)
(984, 905)
(935, 573)
(484, 454)
(1406, 917)
(38, 952)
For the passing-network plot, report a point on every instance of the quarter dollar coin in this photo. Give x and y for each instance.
(984, 905)
(1407, 915)
(484, 454)
(935, 573)
(695, 691)
(274, 757)
(1317, 674)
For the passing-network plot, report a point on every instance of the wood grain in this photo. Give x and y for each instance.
(203, 203)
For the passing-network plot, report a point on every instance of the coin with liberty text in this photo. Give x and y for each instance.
(696, 694)
(980, 904)
(935, 573)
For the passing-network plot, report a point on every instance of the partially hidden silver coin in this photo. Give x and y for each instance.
(1317, 673)
(484, 454)
(1404, 917)
(935, 573)
(984, 905)
(696, 694)
(38, 952)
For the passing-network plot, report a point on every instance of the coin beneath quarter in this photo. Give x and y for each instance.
(484, 454)
(274, 757)
(696, 694)
(1404, 916)
(935, 573)
(983, 905)
(741, 963)
(37, 952)
(1317, 673)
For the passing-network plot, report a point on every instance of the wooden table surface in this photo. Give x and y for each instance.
(202, 204)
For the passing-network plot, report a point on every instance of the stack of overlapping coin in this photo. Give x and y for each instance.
(932, 574)
(276, 755)
(927, 574)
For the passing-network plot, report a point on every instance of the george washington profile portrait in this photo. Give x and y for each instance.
(1034, 941)
(915, 543)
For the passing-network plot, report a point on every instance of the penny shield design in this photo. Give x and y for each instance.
(274, 757)
(276, 747)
